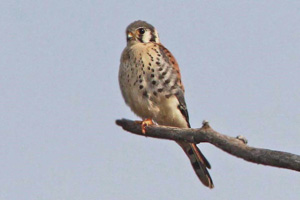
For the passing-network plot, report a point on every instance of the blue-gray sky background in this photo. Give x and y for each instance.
(59, 98)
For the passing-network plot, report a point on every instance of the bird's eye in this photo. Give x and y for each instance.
(141, 30)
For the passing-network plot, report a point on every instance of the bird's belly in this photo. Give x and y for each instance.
(164, 111)
(141, 105)
(169, 114)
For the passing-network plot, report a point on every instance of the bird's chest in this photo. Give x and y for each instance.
(151, 75)
(148, 80)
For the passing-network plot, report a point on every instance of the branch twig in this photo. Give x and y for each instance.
(228, 144)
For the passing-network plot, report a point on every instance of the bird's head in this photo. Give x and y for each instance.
(141, 32)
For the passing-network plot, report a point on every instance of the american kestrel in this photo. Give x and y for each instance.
(150, 82)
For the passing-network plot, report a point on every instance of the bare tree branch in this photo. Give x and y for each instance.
(228, 144)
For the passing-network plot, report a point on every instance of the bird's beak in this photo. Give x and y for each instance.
(129, 36)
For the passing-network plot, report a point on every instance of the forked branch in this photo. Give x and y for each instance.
(228, 144)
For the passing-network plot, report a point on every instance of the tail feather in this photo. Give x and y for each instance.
(199, 163)
(200, 154)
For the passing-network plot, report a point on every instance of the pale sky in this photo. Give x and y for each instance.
(59, 98)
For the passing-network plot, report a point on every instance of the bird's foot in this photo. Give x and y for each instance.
(144, 123)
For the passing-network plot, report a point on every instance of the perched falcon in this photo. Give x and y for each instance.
(151, 85)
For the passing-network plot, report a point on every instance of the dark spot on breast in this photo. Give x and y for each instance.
(153, 82)
(150, 56)
(155, 93)
(167, 81)
(152, 70)
(158, 63)
(141, 87)
(160, 89)
(149, 68)
(168, 95)
(160, 69)
(149, 63)
(173, 87)
(145, 93)
(164, 73)
(152, 75)
(173, 62)
(140, 76)
(140, 80)
(158, 55)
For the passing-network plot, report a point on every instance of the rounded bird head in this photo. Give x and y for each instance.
(141, 32)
